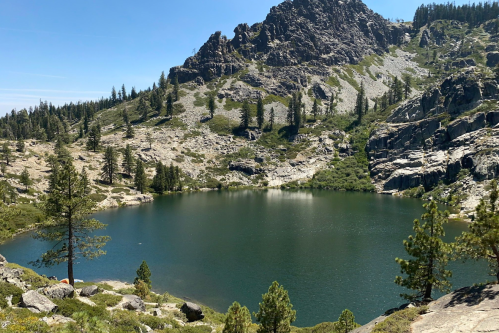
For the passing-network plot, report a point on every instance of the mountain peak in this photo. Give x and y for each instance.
(320, 32)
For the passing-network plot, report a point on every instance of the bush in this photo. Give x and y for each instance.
(346, 175)
(123, 321)
(6, 290)
(68, 306)
(400, 321)
(21, 320)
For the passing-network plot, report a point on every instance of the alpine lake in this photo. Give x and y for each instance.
(330, 250)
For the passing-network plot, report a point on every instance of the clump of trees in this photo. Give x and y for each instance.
(166, 178)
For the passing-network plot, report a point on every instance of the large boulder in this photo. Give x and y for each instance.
(192, 311)
(133, 302)
(57, 320)
(89, 291)
(247, 166)
(59, 291)
(12, 276)
(37, 303)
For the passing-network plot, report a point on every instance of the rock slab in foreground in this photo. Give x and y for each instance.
(37, 303)
(470, 310)
(192, 311)
(59, 291)
(89, 291)
(3, 261)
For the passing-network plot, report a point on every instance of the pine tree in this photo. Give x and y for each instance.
(69, 207)
(482, 239)
(397, 90)
(149, 139)
(291, 110)
(260, 113)
(331, 105)
(211, 105)
(430, 255)
(143, 274)
(272, 118)
(169, 106)
(126, 118)
(133, 94)
(6, 153)
(315, 109)
(359, 105)
(143, 108)
(123, 92)
(276, 311)
(94, 137)
(140, 177)
(20, 146)
(237, 320)
(114, 100)
(162, 81)
(128, 160)
(130, 133)
(366, 105)
(81, 134)
(159, 179)
(25, 178)
(110, 167)
(176, 89)
(407, 85)
(245, 115)
(297, 114)
(85, 181)
(346, 322)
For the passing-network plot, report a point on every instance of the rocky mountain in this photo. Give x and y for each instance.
(320, 33)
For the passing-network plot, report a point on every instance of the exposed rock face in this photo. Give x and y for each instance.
(37, 303)
(192, 311)
(470, 309)
(323, 32)
(12, 276)
(247, 166)
(59, 291)
(57, 320)
(89, 291)
(133, 302)
(415, 149)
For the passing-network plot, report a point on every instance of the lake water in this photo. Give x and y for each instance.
(330, 250)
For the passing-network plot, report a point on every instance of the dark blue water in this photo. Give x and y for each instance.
(330, 250)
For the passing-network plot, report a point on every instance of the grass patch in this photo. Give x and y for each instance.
(222, 125)
(68, 306)
(120, 190)
(106, 300)
(400, 321)
(97, 197)
(334, 82)
(104, 286)
(269, 99)
(26, 214)
(6, 290)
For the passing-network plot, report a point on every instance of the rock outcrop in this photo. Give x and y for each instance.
(415, 148)
(192, 311)
(37, 303)
(322, 32)
(89, 291)
(133, 302)
(59, 291)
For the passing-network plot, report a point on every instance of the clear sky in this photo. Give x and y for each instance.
(63, 51)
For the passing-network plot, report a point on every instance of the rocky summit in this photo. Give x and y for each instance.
(319, 32)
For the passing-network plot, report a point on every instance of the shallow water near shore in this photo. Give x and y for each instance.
(330, 250)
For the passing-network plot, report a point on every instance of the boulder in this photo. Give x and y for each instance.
(59, 291)
(133, 302)
(425, 39)
(3, 261)
(492, 59)
(89, 291)
(156, 312)
(12, 276)
(192, 311)
(37, 303)
(247, 166)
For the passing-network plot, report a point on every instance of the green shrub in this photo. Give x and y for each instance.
(222, 125)
(7, 289)
(97, 197)
(400, 321)
(123, 321)
(68, 306)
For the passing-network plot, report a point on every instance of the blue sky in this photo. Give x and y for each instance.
(63, 51)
